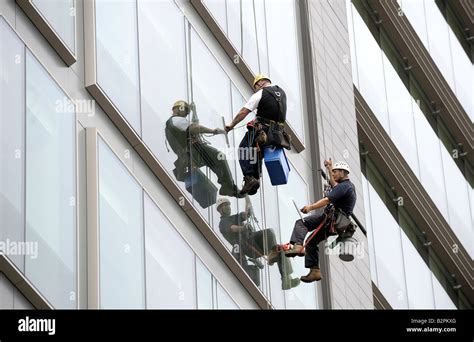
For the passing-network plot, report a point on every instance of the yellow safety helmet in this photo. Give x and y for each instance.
(260, 77)
(183, 106)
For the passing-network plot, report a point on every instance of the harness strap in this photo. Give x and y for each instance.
(313, 234)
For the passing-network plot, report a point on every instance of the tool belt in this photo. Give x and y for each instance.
(273, 133)
(341, 224)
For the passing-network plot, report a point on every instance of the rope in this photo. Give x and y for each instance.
(313, 234)
(256, 35)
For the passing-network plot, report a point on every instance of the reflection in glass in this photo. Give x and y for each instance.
(251, 245)
(186, 138)
(212, 108)
(163, 72)
(60, 14)
(50, 187)
(12, 135)
(117, 56)
(122, 265)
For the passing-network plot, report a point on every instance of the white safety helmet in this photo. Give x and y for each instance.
(221, 201)
(341, 165)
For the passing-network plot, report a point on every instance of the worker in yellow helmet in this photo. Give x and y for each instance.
(269, 104)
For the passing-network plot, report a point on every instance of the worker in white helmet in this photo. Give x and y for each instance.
(342, 198)
(249, 243)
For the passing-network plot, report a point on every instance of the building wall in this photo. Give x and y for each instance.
(71, 80)
(350, 283)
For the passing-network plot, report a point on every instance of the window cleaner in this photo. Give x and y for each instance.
(269, 104)
(338, 205)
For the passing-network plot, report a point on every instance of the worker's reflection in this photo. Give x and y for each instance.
(185, 138)
(251, 244)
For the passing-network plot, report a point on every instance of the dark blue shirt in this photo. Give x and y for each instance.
(228, 221)
(343, 196)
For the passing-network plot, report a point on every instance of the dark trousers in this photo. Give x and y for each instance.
(206, 155)
(300, 231)
(261, 243)
(250, 162)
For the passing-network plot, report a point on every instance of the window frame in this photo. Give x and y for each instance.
(13, 273)
(42, 24)
(93, 220)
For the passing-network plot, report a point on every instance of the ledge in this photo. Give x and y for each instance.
(380, 302)
(23, 285)
(48, 32)
(418, 203)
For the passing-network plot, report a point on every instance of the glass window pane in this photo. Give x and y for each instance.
(429, 157)
(117, 56)
(249, 36)
(418, 277)
(303, 296)
(254, 29)
(204, 286)
(441, 298)
(272, 221)
(388, 251)
(224, 301)
(350, 26)
(443, 46)
(402, 128)
(284, 57)
(50, 186)
(61, 16)
(163, 51)
(370, 230)
(458, 188)
(122, 274)
(12, 135)
(261, 36)
(170, 279)
(213, 103)
(370, 69)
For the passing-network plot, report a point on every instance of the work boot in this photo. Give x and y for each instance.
(255, 189)
(296, 250)
(287, 282)
(232, 190)
(251, 184)
(313, 275)
(273, 256)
